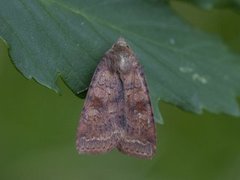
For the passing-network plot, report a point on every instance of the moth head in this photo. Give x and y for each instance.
(121, 42)
(123, 54)
(121, 46)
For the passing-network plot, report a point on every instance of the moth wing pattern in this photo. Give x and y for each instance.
(97, 132)
(139, 137)
(117, 111)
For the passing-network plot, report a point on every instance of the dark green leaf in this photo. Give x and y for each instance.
(188, 68)
(209, 4)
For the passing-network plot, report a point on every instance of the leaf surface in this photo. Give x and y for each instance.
(67, 38)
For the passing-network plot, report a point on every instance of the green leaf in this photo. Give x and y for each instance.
(209, 4)
(183, 66)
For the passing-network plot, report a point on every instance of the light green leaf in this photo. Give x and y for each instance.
(183, 66)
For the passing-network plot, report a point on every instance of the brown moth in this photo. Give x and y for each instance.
(117, 112)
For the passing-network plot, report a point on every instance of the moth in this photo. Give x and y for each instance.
(117, 112)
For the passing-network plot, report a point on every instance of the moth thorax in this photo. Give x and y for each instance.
(124, 64)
